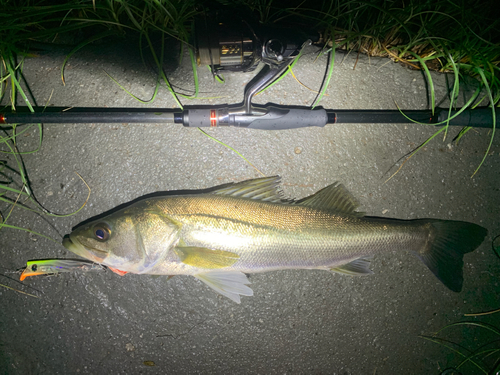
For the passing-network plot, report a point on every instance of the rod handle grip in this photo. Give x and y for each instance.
(274, 118)
(281, 119)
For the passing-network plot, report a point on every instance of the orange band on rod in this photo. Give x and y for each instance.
(213, 117)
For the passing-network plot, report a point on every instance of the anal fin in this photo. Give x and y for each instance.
(358, 267)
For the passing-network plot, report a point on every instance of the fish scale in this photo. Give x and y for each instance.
(248, 227)
(296, 237)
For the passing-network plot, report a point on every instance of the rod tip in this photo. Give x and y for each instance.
(2, 119)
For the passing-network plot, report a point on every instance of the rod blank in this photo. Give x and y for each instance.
(478, 118)
(56, 115)
(271, 117)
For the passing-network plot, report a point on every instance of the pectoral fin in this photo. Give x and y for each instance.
(229, 284)
(358, 267)
(205, 258)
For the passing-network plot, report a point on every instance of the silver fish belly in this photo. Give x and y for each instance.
(248, 227)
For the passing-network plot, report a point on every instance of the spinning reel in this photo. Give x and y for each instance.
(228, 43)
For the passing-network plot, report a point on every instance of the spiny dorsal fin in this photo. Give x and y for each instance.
(264, 189)
(334, 197)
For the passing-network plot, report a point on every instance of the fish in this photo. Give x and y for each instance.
(221, 235)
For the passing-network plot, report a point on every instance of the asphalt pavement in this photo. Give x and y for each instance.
(298, 321)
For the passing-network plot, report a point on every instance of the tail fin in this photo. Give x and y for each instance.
(444, 255)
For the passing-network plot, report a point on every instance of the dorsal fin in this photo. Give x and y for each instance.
(334, 197)
(264, 189)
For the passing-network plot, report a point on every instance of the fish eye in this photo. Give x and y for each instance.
(101, 232)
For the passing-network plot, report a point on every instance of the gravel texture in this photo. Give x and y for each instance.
(298, 321)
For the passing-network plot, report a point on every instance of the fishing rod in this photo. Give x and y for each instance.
(238, 45)
(262, 117)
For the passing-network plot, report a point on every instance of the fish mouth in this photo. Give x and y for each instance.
(78, 249)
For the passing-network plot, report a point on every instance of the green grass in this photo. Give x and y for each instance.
(458, 37)
(476, 348)
(447, 36)
(23, 23)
